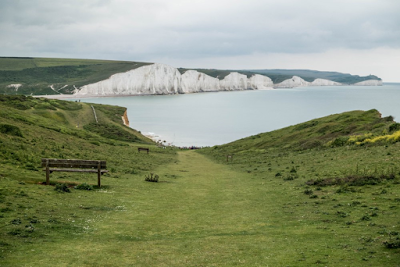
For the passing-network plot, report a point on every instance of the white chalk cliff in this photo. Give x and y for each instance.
(162, 79)
(295, 81)
(324, 82)
(369, 83)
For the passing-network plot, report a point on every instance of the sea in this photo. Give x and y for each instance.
(209, 119)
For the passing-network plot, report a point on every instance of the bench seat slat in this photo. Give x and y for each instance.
(75, 170)
(74, 163)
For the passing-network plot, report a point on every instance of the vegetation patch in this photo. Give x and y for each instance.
(111, 131)
(84, 186)
(353, 180)
(10, 130)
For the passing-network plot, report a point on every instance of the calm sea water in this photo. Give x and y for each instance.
(207, 119)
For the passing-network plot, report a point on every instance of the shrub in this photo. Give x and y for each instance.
(394, 127)
(308, 192)
(340, 141)
(10, 130)
(365, 218)
(84, 186)
(342, 214)
(291, 177)
(62, 188)
(151, 178)
(392, 244)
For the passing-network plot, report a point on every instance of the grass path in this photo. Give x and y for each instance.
(199, 214)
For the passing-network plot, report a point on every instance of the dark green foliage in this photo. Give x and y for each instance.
(16, 221)
(111, 131)
(19, 101)
(62, 188)
(22, 102)
(340, 141)
(342, 214)
(291, 177)
(393, 243)
(84, 186)
(365, 218)
(308, 192)
(394, 127)
(353, 180)
(10, 130)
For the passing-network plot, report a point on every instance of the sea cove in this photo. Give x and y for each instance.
(207, 119)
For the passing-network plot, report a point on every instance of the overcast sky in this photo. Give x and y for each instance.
(360, 37)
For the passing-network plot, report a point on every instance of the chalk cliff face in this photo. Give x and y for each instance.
(163, 79)
(193, 81)
(148, 80)
(295, 81)
(234, 81)
(324, 82)
(369, 83)
(260, 82)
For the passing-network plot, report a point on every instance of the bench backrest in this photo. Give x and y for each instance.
(74, 163)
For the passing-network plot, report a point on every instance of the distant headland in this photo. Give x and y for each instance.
(82, 77)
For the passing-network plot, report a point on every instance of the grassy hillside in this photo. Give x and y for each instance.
(336, 178)
(324, 192)
(36, 75)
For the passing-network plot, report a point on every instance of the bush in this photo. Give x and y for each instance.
(84, 186)
(340, 141)
(291, 177)
(10, 129)
(151, 178)
(394, 127)
(308, 192)
(62, 188)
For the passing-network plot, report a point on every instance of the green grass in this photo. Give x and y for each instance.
(203, 211)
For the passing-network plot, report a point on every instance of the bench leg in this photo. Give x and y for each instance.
(99, 174)
(47, 173)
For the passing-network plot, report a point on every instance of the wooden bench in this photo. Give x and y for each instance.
(74, 165)
(144, 149)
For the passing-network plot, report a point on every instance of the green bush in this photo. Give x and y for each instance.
(62, 188)
(340, 141)
(394, 127)
(10, 130)
(84, 186)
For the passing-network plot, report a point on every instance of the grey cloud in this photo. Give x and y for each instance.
(138, 29)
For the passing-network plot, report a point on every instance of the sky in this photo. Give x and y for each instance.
(359, 37)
